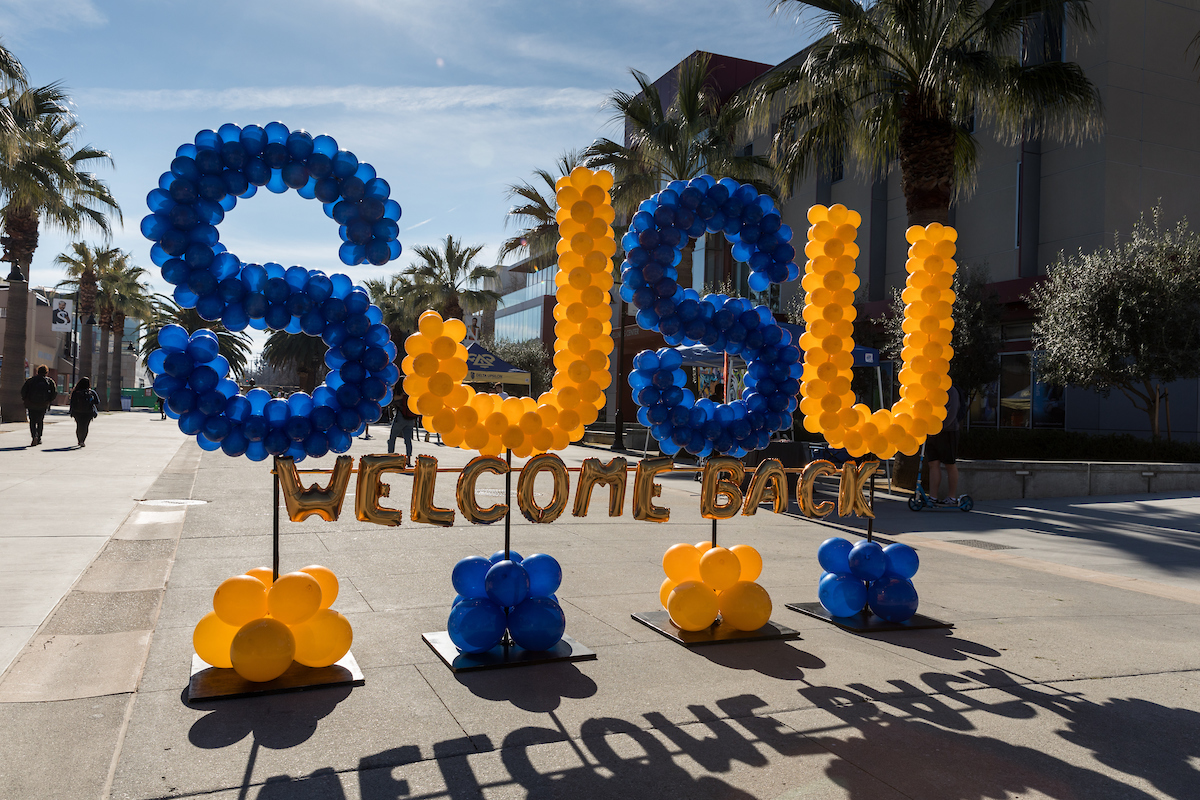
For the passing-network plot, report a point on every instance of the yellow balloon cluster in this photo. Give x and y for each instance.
(435, 363)
(704, 581)
(828, 402)
(258, 627)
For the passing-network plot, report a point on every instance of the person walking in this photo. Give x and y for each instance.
(37, 394)
(942, 448)
(85, 407)
(404, 420)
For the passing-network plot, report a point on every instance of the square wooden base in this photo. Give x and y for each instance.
(501, 656)
(212, 683)
(865, 622)
(720, 633)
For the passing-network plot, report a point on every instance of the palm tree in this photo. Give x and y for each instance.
(539, 235)
(305, 354)
(447, 279)
(396, 298)
(82, 268)
(693, 134)
(124, 296)
(165, 311)
(44, 180)
(907, 78)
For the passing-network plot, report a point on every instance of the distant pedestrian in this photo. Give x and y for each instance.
(85, 407)
(942, 448)
(403, 422)
(37, 394)
(162, 408)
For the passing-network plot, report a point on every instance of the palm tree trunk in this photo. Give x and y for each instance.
(114, 382)
(87, 307)
(101, 386)
(926, 165)
(12, 373)
(20, 240)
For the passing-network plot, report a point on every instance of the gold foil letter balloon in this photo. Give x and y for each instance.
(436, 361)
(645, 490)
(769, 485)
(370, 488)
(592, 473)
(325, 502)
(561, 489)
(715, 486)
(829, 405)
(465, 493)
(424, 483)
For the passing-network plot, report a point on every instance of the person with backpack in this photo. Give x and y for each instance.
(942, 448)
(84, 407)
(403, 422)
(37, 394)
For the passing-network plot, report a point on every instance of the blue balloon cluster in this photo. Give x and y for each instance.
(653, 247)
(514, 594)
(207, 178)
(867, 575)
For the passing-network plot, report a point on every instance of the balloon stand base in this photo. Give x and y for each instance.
(720, 633)
(501, 656)
(865, 622)
(211, 683)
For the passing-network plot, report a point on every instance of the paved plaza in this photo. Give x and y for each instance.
(1072, 670)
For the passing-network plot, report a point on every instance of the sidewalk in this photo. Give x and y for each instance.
(1050, 685)
(62, 503)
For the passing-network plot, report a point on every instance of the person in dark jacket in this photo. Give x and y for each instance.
(37, 394)
(942, 448)
(85, 407)
(403, 423)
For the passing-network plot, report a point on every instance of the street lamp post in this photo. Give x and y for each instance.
(619, 435)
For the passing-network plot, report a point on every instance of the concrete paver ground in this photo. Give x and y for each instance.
(1057, 681)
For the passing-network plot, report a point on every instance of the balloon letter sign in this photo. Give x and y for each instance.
(829, 280)
(205, 181)
(650, 281)
(436, 361)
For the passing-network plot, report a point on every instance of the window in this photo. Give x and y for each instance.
(1019, 398)
(837, 170)
(748, 150)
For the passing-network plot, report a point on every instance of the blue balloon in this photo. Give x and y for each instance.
(832, 555)
(173, 338)
(476, 625)
(545, 574)
(842, 595)
(902, 560)
(507, 583)
(498, 556)
(867, 561)
(893, 599)
(468, 576)
(537, 623)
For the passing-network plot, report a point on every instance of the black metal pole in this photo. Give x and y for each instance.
(871, 519)
(714, 533)
(619, 435)
(508, 502)
(275, 530)
(74, 347)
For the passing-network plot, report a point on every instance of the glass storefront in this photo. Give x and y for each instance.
(1019, 399)
(521, 326)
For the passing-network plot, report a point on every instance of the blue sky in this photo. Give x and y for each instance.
(450, 100)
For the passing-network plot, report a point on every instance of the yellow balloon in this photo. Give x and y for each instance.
(664, 592)
(745, 606)
(693, 606)
(750, 560)
(294, 598)
(456, 329)
(212, 638)
(262, 650)
(264, 574)
(329, 582)
(719, 569)
(430, 324)
(240, 599)
(703, 547)
(324, 639)
(682, 563)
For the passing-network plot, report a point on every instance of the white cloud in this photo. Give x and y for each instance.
(388, 99)
(22, 16)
